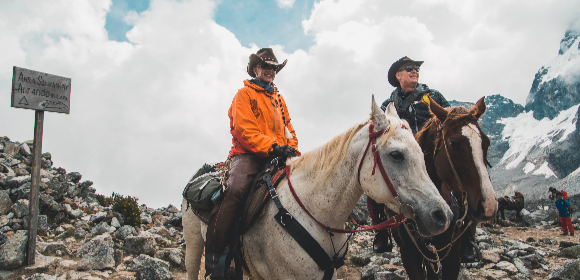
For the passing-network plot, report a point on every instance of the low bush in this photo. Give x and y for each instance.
(128, 208)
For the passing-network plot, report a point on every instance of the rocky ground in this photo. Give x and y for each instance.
(78, 238)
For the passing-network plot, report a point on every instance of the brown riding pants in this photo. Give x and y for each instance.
(243, 170)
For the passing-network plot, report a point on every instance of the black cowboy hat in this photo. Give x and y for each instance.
(264, 55)
(395, 67)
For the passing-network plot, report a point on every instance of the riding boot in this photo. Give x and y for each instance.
(243, 170)
(382, 241)
(468, 253)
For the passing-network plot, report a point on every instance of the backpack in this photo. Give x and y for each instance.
(204, 187)
(565, 194)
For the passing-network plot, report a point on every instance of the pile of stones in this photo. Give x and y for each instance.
(77, 237)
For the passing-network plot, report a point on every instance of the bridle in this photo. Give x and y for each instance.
(404, 209)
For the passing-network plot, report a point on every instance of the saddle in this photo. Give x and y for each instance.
(202, 205)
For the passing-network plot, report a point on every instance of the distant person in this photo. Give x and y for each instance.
(563, 206)
(553, 192)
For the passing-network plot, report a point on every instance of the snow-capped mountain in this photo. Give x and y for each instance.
(542, 144)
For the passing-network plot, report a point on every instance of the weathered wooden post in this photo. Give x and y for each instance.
(40, 92)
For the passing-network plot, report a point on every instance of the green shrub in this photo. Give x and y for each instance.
(105, 200)
(128, 208)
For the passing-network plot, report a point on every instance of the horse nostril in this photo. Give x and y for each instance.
(439, 216)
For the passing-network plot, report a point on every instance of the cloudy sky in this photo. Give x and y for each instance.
(152, 80)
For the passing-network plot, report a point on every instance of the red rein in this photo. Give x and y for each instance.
(393, 222)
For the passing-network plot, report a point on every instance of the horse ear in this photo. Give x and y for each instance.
(392, 111)
(479, 108)
(378, 116)
(439, 112)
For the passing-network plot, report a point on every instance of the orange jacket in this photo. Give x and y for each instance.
(256, 121)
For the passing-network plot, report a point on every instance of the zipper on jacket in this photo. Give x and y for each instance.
(274, 117)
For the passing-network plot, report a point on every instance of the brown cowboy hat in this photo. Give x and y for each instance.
(264, 55)
(395, 67)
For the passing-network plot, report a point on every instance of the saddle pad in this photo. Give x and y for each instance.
(258, 197)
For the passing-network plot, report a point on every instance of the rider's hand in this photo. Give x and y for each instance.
(282, 151)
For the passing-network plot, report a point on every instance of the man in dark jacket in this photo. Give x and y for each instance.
(411, 101)
(409, 94)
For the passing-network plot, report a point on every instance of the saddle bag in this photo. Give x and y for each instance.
(205, 186)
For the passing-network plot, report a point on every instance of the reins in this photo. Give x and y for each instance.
(391, 223)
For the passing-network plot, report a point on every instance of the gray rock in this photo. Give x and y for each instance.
(80, 233)
(570, 252)
(74, 177)
(98, 217)
(42, 276)
(75, 214)
(125, 231)
(115, 223)
(25, 150)
(360, 213)
(374, 272)
(489, 257)
(566, 244)
(97, 254)
(5, 203)
(138, 245)
(571, 271)
(52, 247)
(365, 256)
(11, 148)
(42, 224)
(20, 208)
(6, 274)
(18, 181)
(101, 228)
(174, 255)
(150, 268)
(146, 219)
(521, 268)
(549, 241)
(12, 253)
(507, 267)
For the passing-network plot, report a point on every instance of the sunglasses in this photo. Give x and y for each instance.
(410, 68)
(267, 66)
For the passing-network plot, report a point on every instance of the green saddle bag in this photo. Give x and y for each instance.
(204, 187)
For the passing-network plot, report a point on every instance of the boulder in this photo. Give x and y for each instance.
(11, 148)
(566, 244)
(21, 208)
(25, 150)
(74, 177)
(174, 255)
(52, 247)
(12, 253)
(571, 271)
(98, 217)
(42, 276)
(570, 252)
(360, 213)
(101, 228)
(125, 231)
(97, 254)
(376, 272)
(18, 181)
(507, 267)
(5, 203)
(150, 268)
(146, 219)
(519, 264)
(138, 245)
(489, 257)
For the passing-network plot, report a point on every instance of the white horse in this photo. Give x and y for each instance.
(325, 179)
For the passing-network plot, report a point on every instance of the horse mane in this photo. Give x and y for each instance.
(322, 162)
(457, 117)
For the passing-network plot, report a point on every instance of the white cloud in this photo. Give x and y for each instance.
(145, 114)
(285, 4)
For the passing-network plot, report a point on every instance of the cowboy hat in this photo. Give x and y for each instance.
(264, 55)
(392, 76)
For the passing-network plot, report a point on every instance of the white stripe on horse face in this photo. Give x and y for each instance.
(472, 133)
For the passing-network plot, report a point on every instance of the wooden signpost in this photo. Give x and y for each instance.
(40, 92)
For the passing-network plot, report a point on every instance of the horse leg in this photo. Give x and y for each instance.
(411, 258)
(193, 241)
(452, 263)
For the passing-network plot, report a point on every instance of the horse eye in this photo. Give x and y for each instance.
(454, 144)
(397, 155)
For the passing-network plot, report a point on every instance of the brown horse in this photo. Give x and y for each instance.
(455, 151)
(514, 203)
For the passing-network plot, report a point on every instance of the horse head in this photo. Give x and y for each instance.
(415, 194)
(459, 156)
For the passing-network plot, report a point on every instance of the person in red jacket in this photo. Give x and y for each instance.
(261, 129)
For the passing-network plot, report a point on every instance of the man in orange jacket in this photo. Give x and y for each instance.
(261, 129)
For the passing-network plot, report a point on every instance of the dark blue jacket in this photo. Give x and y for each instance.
(562, 205)
(417, 114)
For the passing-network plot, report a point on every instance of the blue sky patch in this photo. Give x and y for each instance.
(114, 23)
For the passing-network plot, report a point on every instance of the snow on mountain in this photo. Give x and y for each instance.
(568, 60)
(524, 134)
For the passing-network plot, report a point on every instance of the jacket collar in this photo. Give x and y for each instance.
(258, 85)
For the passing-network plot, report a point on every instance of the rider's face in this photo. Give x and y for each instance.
(265, 73)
